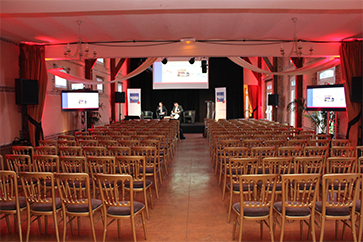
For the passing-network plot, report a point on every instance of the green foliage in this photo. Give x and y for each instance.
(318, 118)
(93, 117)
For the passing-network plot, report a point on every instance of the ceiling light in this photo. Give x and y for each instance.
(296, 45)
(187, 40)
(164, 61)
(192, 60)
(79, 53)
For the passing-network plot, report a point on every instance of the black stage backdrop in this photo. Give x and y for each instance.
(222, 73)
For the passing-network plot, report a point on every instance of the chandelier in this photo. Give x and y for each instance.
(80, 53)
(296, 45)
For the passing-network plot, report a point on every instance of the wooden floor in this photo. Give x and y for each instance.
(189, 209)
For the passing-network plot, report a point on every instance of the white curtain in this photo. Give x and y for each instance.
(137, 71)
(312, 68)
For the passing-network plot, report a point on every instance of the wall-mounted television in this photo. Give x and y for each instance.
(326, 98)
(80, 100)
(178, 73)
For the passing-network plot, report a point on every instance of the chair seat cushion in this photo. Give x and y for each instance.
(45, 207)
(125, 211)
(290, 211)
(236, 187)
(330, 211)
(83, 208)
(139, 184)
(11, 204)
(252, 212)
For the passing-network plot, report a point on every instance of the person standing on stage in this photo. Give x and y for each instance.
(177, 111)
(161, 111)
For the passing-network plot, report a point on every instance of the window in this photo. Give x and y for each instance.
(60, 82)
(99, 86)
(77, 86)
(100, 61)
(326, 76)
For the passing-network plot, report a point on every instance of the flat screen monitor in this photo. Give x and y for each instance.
(80, 100)
(326, 98)
(179, 74)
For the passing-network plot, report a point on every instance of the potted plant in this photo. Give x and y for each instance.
(318, 118)
(93, 117)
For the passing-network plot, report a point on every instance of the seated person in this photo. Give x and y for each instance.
(177, 111)
(161, 111)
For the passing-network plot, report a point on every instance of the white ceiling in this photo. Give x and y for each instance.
(54, 22)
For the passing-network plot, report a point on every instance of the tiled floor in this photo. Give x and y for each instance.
(189, 209)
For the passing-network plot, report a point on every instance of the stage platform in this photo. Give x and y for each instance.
(197, 127)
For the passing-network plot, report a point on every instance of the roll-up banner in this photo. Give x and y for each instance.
(134, 101)
(221, 103)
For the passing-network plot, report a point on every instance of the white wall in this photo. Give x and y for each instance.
(10, 115)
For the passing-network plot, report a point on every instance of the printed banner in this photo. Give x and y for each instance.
(221, 103)
(134, 101)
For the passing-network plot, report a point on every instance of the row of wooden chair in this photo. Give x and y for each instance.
(74, 199)
(300, 202)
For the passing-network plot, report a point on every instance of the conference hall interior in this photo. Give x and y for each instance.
(170, 120)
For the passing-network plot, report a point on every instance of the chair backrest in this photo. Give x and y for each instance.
(114, 192)
(291, 151)
(299, 191)
(258, 191)
(262, 152)
(38, 187)
(342, 151)
(84, 143)
(340, 165)
(132, 165)
(340, 190)
(250, 143)
(63, 143)
(149, 152)
(341, 142)
(66, 137)
(68, 187)
(118, 151)
(297, 142)
(48, 143)
(46, 150)
(73, 164)
(129, 143)
(100, 164)
(277, 143)
(23, 150)
(2, 167)
(107, 143)
(319, 142)
(95, 151)
(46, 163)
(242, 166)
(277, 165)
(312, 164)
(9, 188)
(70, 151)
(316, 151)
(19, 163)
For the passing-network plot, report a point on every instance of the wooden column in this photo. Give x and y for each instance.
(115, 69)
(273, 68)
(88, 68)
(298, 63)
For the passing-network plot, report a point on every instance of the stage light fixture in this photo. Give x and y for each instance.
(204, 66)
(164, 61)
(192, 60)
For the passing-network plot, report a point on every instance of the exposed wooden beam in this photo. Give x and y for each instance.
(298, 62)
(88, 66)
(257, 75)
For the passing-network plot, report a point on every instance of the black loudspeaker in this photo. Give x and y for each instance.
(273, 99)
(26, 91)
(119, 97)
(356, 91)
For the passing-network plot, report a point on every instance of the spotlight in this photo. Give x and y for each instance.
(204, 66)
(192, 60)
(164, 61)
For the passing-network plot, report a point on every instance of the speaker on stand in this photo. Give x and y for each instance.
(120, 97)
(26, 93)
(273, 99)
